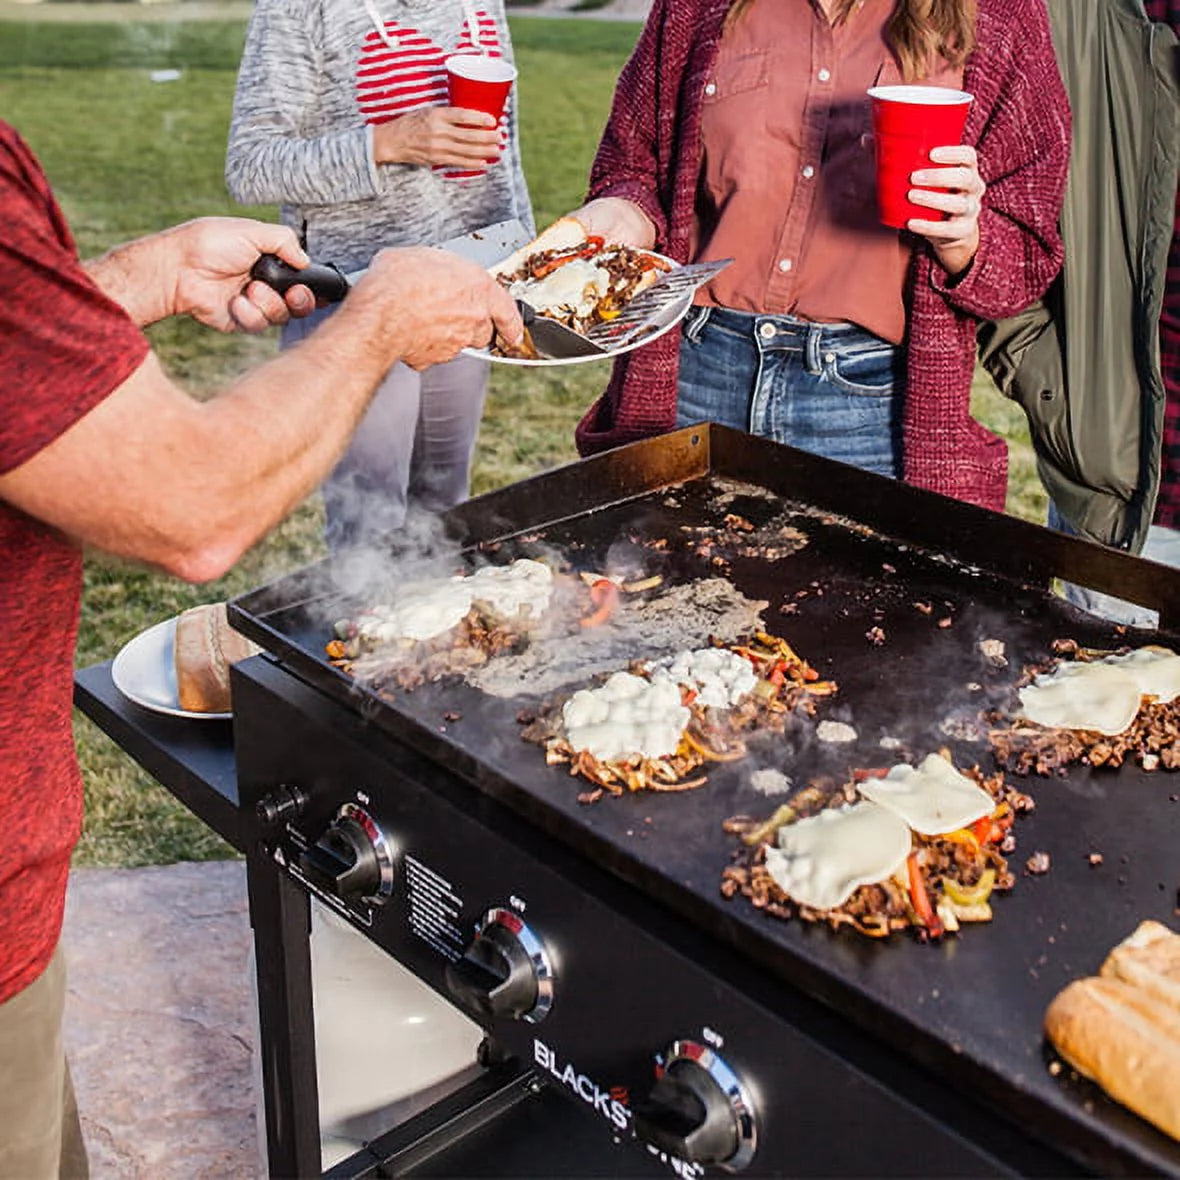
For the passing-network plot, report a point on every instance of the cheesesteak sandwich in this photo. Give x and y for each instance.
(577, 279)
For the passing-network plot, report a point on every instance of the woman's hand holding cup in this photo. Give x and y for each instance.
(954, 190)
(439, 135)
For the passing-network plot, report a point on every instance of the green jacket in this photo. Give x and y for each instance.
(1084, 363)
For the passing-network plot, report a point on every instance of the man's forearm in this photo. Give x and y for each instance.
(139, 276)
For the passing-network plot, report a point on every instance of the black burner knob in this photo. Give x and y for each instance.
(504, 972)
(698, 1111)
(283, 803)
(344, 861)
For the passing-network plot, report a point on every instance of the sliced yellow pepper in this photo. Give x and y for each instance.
(968, 895)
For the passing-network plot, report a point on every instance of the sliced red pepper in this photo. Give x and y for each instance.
(859, 776)
(991, 829)
(921, 898)
(982, 828)
(605, 594)
(589, 248)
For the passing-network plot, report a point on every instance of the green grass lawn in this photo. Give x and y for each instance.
(128, 155)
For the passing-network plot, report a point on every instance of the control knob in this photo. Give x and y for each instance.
(505, 971)
(285, 802)
(698, 1110)
(352, 859)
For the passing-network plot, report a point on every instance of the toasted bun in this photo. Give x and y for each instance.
(1125, 1040)
(563, 234)
(203, 650)
(1149, 958)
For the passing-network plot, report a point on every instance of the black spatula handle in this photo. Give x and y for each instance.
(327, 282)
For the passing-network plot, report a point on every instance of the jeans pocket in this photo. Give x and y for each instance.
(867, 369)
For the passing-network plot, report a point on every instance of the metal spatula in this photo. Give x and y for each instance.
(552, 339)
(664, 302)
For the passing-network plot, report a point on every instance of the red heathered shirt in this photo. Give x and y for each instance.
(63, 348)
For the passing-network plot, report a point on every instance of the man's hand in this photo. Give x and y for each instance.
(438, 135)
(426, 305)
(617, 222)
(956, 239)
(212, 257)
(202, 269)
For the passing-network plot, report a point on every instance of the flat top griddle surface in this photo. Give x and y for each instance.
(971, 1006)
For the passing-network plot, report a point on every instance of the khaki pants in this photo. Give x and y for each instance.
(40, 1136)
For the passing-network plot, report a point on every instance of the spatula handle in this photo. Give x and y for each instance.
(327, 282)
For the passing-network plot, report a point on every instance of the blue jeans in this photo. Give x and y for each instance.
(1162, 545)
(833, 389)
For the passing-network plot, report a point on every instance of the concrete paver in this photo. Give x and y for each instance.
(160, 1022)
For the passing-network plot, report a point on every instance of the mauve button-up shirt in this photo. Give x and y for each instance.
(788, 178)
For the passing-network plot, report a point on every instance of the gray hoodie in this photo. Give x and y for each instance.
(316, 76)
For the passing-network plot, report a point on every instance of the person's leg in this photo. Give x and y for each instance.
(834, 390)
(366, 493)
(40, 1136)
(449, 414)
(1162, 545)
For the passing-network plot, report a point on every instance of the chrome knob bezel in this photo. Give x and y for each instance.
(736, 1093)
(542, 965)
(383, 847)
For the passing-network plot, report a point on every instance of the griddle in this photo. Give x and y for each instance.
(969, 1007)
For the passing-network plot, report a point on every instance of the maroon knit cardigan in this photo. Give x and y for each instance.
(1020, 125)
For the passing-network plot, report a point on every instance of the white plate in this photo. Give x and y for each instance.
(144, 672)
(669, 318)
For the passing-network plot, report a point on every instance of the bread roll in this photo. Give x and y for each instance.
(203, 650)
(1150, 959)
(563, 234)
(1123, 1028)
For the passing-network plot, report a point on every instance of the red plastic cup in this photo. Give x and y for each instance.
(907, 122)
(477, 82)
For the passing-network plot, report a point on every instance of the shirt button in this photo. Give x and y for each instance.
(785, 264)
(824, 75)
(808, 171)
(766, 331)
(711, 88)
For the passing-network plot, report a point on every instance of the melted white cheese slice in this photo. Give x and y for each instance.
(1104, 695)
(823, 860)
(721, 677)
(424, 610)
(932, 799)
(627, 717)
(1156, 668)
(514, 591)
(579, 285)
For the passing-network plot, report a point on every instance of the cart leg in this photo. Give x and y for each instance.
(280, 913)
